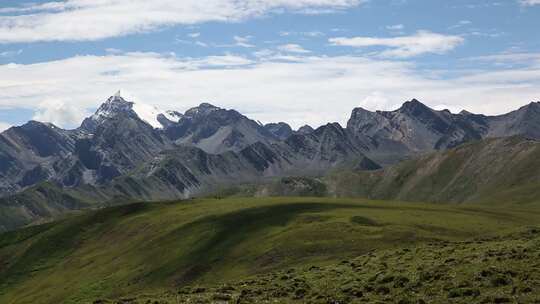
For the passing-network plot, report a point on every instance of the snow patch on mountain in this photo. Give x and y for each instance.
(148, 113)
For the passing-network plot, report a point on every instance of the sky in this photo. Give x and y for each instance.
(298, 61)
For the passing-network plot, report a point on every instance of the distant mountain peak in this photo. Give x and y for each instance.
(361, 110)
(281, 130)
(306, 129)
(208, 106)
(413, 105)
(201, 110)
(417, 109)
(114, 105)
(333, 127)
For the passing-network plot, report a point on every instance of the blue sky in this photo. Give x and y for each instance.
(299, 61)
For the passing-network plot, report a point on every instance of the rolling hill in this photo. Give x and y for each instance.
(127, 251)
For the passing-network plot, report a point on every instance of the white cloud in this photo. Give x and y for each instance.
(78, 20)
(530, 2)
(4, 126)
(113, 51)
(405, 46)
(194, 35)
(293, 48)
(200, 43)
(60, 113)
(243, 41)
(303, 89)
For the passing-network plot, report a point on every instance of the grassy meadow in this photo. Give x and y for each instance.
(130, 251)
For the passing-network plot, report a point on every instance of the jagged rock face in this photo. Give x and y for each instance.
(334, 143)
(28, 154)
(40, 140)
(418, 128)
(118, 145)
(281, 130)
(217, 130)
(116, 141)
(114, 106)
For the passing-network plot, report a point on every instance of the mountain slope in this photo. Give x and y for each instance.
(500, 170)
(524, 121)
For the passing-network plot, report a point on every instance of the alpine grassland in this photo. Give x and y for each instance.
(277, 250)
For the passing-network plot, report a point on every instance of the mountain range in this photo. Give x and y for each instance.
(128, 151)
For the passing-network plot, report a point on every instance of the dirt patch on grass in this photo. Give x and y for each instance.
(364, 221)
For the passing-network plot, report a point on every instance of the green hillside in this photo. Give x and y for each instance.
(488, 270)
(128, 251)
(492, 171)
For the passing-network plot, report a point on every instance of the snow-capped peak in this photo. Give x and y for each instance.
(150, 114)
(112, 106)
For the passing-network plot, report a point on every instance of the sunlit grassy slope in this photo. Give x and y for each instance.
(150, 248)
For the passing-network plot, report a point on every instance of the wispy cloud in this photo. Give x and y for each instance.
(243, 41)
(79, 20)
(461, 23)
(405, 46)
(10, 53)
(293, 48)
(530, 2)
